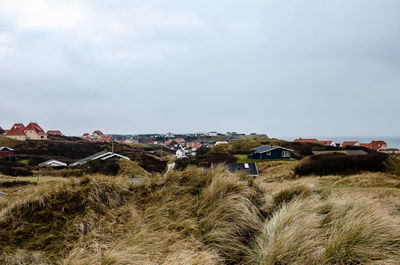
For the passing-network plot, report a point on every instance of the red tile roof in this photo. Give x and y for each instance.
(17, 129)
(36, 128)
(377, 144)
(349, 143)
(54, 132)
(327, 143)
(365, 145)
(105, 138)
(98, 132)
(388, 150)
(306, 140)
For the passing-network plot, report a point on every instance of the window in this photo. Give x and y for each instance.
(285, 153)
(246, 165)
(268, 153)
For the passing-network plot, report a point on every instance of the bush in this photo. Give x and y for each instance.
(15, 171)
(337, 163)
(392, 165)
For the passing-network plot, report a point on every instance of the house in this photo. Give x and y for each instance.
(34, 132)
(250, 168)
(327, 143)
(104, 155)
(6, 152)
(350, 143)
(31, 132)
(179, 140)
(376, 145)
(55, 164)
(300, 140)
(212, 133)
(97, 136)
(54, 132)
(17, 132)
(389, 150)
(270, 152)
(180, 153)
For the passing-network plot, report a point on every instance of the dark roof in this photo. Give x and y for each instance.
(100, 155)
(250, 168)
(265, 148)
(92, 157)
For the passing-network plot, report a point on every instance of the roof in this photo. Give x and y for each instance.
(306, 140)
(54, 162)
(181, 150)
(54, 132)
(388, 150)
(105, 157)
(6, 148)
(365, 145)
(377, 144)
(98, 132)
(266, 148)
(326, 142)
(17, 129)
(36, 128)
(250, 168)
(100, 155)
(350, 143)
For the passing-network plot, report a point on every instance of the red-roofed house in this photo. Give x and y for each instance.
(350, 143)
(365, 145)
(105, 139)
(306, 140)
(17, 132)
(389, 150)
(34, 132)
(54, 132)
(179, 140)
(327, 143)
(180, 153)
(375, 145)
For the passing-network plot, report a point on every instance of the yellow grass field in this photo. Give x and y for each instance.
(204, 217)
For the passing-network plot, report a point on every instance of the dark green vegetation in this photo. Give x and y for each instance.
(337, 163)
(70, 149)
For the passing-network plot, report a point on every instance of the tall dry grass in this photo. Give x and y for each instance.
(200, 216)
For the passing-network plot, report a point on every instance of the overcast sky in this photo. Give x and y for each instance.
(284, 68)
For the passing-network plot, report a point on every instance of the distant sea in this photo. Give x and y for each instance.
(392, 141)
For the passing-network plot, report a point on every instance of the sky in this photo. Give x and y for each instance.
(282, 67)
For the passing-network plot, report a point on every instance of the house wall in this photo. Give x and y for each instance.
(275, 154)
(17, 137)
(32, 135)
(6, 153)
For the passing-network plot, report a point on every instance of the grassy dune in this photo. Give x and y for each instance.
(205, 217)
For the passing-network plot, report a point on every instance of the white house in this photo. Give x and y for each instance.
(213, 133)
(180, 153)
